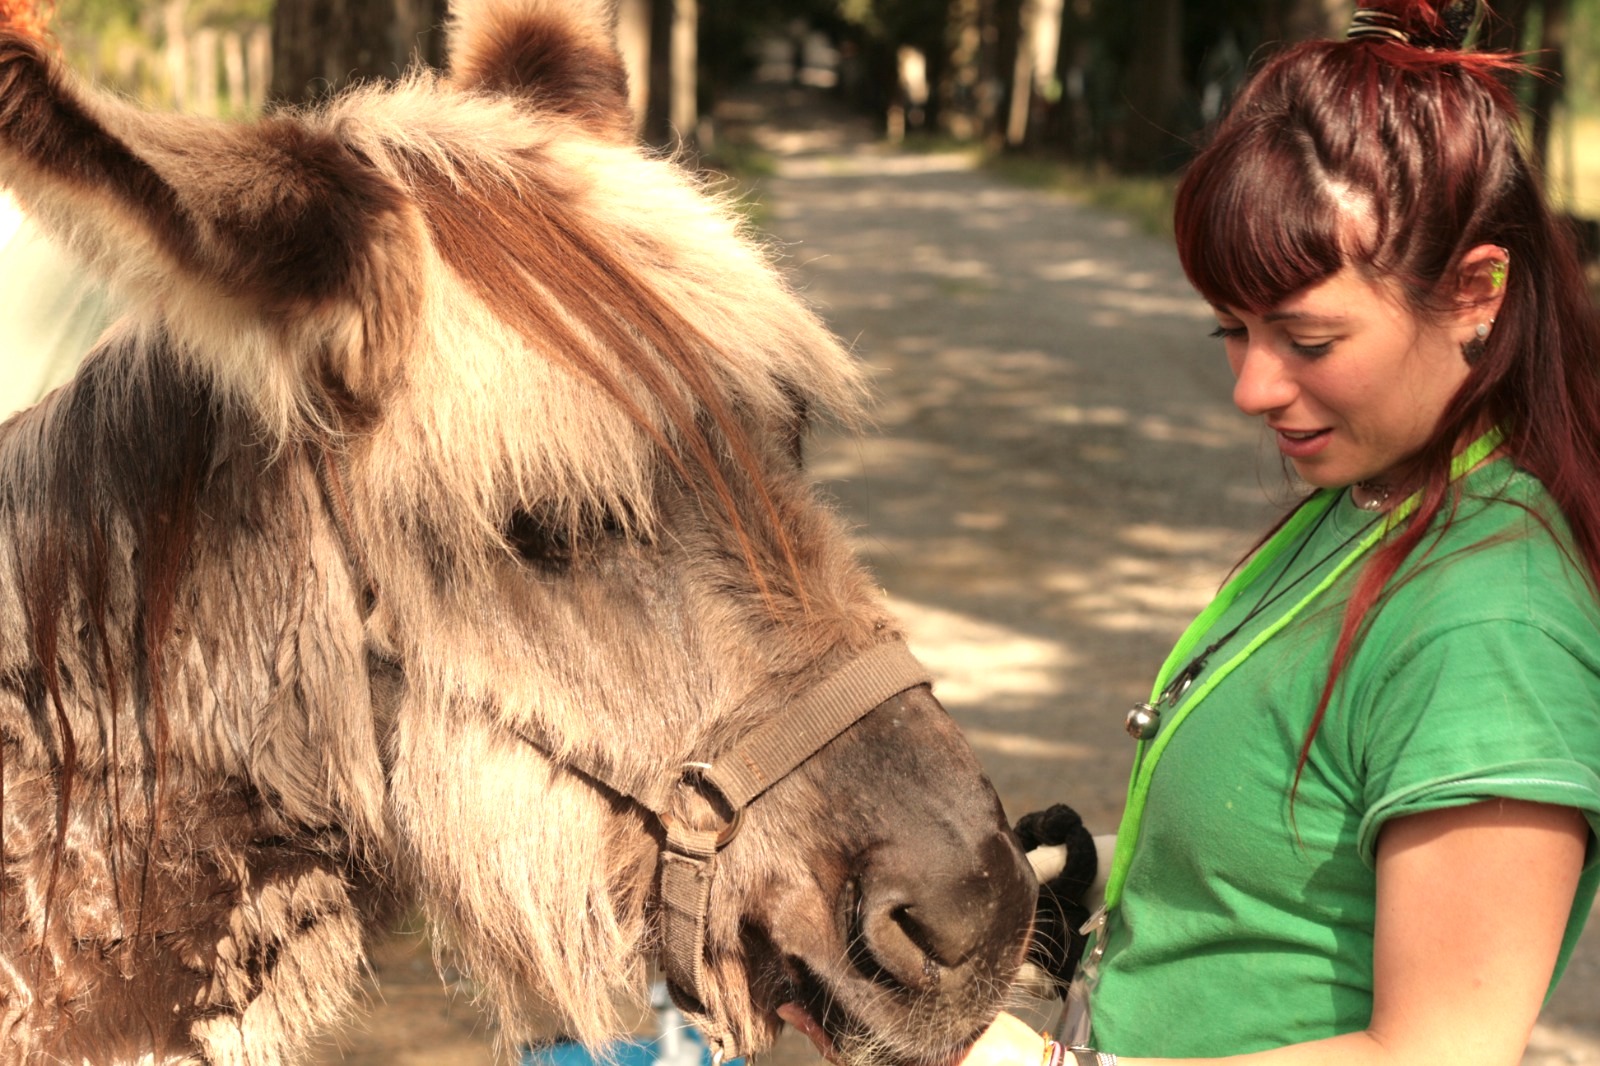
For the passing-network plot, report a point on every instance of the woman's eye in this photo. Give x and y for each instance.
(1229, 332)
(1309, 350)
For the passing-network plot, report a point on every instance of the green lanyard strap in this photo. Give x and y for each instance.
(1149, 753)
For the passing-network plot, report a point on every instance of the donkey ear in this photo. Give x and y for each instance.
(562, 54)
(280, 221)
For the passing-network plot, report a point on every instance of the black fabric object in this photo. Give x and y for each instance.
(1056, 944)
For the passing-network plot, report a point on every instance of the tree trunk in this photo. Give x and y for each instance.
(633, 41)
(176, 53)
(1290, 21)
(1071, 125)
(234, 72)
(319, 46)
(1034, 70)
(258, 67)
(204, 49)
(1507, 28)
(1152, 87)
(669, 117)
(962, 69)
(1549, 92)
(684, 107)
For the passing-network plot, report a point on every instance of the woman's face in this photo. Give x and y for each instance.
(1349, 379)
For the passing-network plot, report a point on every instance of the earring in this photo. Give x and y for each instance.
(1497, 274)
(1473, 349)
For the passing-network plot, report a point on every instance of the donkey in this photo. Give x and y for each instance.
(433, 531)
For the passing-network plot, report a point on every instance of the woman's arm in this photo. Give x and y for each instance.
(1472, 904)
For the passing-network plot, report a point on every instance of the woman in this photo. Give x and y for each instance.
(1363, 820)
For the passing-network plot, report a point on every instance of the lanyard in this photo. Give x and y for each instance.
(1149, 753)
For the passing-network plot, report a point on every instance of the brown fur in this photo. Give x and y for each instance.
(449, 437)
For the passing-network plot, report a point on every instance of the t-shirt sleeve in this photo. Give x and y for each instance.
(1488, 709)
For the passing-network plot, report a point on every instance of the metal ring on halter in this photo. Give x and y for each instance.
(1369, 23)
(691, 775)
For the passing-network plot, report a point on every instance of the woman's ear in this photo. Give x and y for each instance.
(1481, 283)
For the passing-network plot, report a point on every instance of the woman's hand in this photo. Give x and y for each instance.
(1009, 1041)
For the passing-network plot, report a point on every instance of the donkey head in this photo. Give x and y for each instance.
(439, 500)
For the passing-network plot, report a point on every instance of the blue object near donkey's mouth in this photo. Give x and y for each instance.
(675, 1043)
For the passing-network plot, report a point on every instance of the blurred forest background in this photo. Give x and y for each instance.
(1114, 87)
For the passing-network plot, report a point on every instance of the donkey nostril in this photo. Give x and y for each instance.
(895, 944)
(915, 941)
(914, 926)
(939, 946)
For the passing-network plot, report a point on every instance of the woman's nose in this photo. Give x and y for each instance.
(1261, 382)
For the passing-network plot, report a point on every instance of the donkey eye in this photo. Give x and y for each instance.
(538, 541)
(553, 543)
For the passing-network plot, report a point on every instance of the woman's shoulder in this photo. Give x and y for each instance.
(1505, 553)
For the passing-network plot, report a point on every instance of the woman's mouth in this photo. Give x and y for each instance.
(1302, 443)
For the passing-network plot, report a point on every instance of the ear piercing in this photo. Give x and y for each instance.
(1497, 274)
(1473, 349)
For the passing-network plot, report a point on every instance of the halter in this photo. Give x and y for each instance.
(763, 757)
(738, 776)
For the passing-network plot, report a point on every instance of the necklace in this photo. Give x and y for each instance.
(1144, 720)
(1370, 495)
(1149, 755)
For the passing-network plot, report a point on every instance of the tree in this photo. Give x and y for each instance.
(321, 45)
(1301, 20)
(671, 112)
(1538, 27)
(1153, 88)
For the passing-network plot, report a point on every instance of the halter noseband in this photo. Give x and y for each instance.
(762, 758)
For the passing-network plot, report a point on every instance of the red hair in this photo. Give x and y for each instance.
(1398, 159)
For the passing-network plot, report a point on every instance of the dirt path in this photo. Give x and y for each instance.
(1056, 485)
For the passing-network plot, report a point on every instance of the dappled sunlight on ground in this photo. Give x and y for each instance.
(976, 663)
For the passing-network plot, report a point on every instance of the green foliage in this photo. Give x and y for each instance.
(120, 43)
(143, 18)
(93, 19)
(1583, 60)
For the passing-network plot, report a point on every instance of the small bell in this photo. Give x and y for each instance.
(1143, 721)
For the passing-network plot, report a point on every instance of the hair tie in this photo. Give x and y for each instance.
(1447, 31)
(1367, 22)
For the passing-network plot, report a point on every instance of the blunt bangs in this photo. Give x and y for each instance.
(1256, 219)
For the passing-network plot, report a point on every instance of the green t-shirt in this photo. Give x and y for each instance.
(1247, 924)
